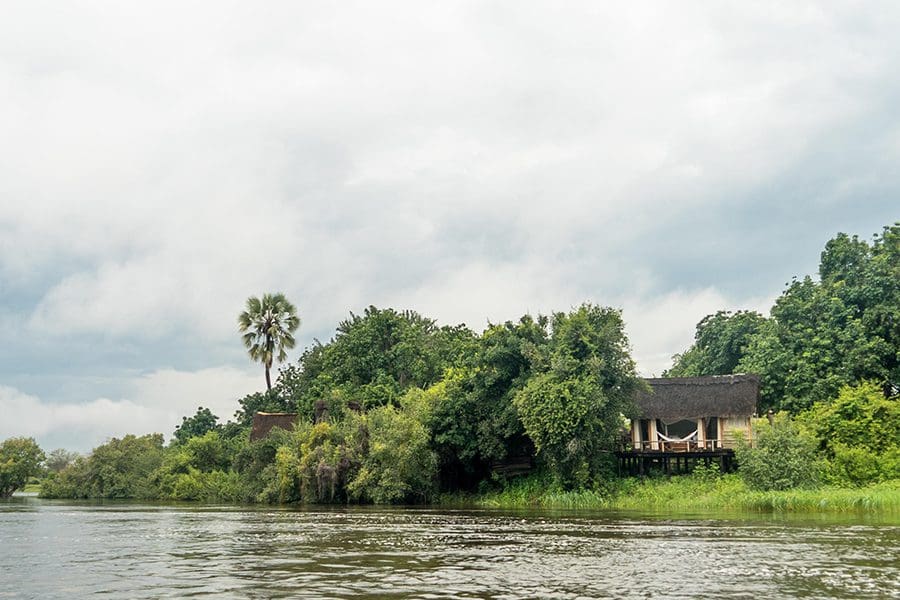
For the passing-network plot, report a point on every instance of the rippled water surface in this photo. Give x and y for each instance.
(54, 550)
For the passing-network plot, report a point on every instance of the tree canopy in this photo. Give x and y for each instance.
(822, 334)
(20, 458)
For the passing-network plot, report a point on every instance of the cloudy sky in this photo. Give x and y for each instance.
(162, 161)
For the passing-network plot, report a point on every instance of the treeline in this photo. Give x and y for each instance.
(394, 409)
(397, 409)
(828, 357)
(822, 334)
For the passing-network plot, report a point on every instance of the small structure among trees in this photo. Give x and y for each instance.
(680, 420)
(264, 422)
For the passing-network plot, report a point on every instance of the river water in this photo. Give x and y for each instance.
(54, 549)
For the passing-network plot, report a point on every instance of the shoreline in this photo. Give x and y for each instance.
(695, 494)
(677, 494)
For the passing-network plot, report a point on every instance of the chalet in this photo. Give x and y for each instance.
(263, 423)
(680, 419)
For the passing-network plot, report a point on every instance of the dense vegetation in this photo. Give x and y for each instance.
(394, 409)
(821, 335)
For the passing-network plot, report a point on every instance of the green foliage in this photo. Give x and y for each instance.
(268, 325)
(572, 411)
(706, 473)
(822, 335)
(720, 342)
(120, 468)
(212, 486)
(692, 494)
(473, 419)
(783, 456)
(399, 466)
(199, 470)
(201, 423)
(255, 463)
(316, 464)
(59, 459)
(840, 330)
(73, 481)
(859, 417)
(859, 433)
(373, 359)
(269, 401)
(20, 458)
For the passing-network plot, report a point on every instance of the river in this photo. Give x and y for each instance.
(52, 549)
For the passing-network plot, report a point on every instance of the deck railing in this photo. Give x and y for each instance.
(684, 446)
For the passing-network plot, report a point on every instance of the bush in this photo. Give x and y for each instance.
(859, 435)
(73, 481)
(783, 456)
(860, 417)
(212, 486)
(314, 465)
(399, 465)
(120, 468)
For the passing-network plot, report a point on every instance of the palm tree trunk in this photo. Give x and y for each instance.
(268, 379)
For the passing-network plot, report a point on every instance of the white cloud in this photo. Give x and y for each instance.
(155, 403)
(467, 160)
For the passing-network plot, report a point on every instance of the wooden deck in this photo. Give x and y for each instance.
(673, 460)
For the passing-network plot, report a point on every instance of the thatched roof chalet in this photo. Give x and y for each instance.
(264, 422)
(692, 398)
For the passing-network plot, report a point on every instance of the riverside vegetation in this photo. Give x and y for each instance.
(394, 409)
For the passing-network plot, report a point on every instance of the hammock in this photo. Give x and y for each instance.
(675, 439)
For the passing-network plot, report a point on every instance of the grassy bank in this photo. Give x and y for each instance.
(694, 493)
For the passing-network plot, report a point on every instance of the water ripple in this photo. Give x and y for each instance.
(56, 550)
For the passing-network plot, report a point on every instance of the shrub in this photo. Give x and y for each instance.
(859, 435)
(783, 456)
(399, 465)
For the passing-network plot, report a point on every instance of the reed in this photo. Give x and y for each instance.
(692, 493)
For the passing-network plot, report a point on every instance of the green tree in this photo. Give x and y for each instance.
(20, 458)
(822, 335)
(720, 342)
(268, 325)
(573, 411)
(199, 469)
(59, 459)
(373, 359)
(202, 422)
(859, 434)
(473, 420)
(120, 468)
(783, 456)
(398, 465)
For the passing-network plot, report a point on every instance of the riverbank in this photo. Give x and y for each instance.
(694, 493)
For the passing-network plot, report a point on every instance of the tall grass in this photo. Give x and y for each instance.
(694, 493)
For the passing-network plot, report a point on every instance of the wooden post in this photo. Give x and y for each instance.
(651, 431)
(701, 434)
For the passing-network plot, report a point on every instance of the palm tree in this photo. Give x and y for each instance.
(267, 325)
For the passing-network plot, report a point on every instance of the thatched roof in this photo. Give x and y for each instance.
(264, 422)
(697, 397)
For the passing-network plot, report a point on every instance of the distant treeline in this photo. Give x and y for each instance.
(396, 409)
(822, 334)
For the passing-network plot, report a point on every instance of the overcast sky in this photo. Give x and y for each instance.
(162, 161)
